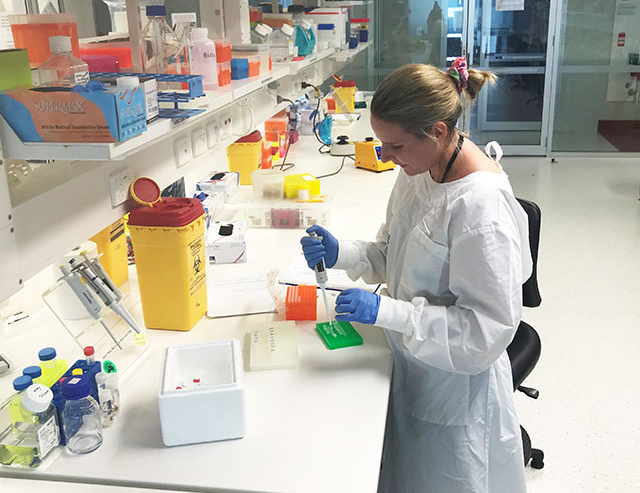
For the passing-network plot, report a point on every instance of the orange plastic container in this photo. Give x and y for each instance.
(32, 32)
(223, 50)
(254, 67)
(276, 126)
(267, 161)
(301, 302)
(224, 73)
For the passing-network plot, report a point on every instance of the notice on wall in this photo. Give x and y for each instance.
(626, 8)
(504, 5)
(6, 38)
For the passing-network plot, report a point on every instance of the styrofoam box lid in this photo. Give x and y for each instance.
(214, 363)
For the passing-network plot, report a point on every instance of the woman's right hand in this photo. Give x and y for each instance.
(316, 249)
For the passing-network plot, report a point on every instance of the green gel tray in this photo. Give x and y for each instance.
(342, 335)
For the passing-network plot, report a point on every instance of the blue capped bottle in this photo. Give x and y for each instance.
(81, 417)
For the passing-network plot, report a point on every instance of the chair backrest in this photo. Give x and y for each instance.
(530, 292)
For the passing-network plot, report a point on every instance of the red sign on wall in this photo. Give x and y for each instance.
(621, 38)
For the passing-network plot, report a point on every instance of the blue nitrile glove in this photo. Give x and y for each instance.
(315, 250)
(357, 305)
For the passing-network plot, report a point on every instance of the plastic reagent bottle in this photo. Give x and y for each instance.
(183, 31)
(109, 396)
(17, 412)
(160, 45)
(81, 418)
(204, 58)
(52, 368)
(62, 68)
(28, 443)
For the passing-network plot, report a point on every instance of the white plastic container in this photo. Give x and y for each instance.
(223, 182)
(284, 214)
(326, 36)
(204, 58)
(202, 394)
(268, 184)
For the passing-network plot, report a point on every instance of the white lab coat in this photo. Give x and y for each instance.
(454, 257)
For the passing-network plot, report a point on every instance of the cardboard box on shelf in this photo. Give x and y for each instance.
(60, 115)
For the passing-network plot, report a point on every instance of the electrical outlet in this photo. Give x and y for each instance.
(182, 148)
(198, 141)
(225, 126)
(212, 135)
(119, 183)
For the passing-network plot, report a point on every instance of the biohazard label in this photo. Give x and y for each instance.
(197, 276)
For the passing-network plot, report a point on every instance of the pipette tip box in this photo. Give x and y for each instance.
(336, 335)
(274, 347)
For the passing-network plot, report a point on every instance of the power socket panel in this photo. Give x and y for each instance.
(182, 149)
(225, 126)
(199, 141)
(119, 183)
(212, 135)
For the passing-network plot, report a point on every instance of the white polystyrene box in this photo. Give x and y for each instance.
(211, 410)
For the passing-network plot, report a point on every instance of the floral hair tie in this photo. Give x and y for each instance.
(458, 72)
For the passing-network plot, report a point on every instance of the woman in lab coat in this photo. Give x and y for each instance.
(454, 253)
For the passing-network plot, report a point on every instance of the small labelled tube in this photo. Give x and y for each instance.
(108, 395)
(90, 355)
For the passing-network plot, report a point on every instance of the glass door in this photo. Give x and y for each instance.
(597, 95)
(510, 38)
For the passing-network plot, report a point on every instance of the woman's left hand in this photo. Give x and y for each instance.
(357, 305)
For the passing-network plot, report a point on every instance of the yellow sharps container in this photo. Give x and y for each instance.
(169, 246)
(344, 94)
(112, 245)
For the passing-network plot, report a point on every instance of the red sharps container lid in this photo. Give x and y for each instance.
(168, 211)
(254, 136)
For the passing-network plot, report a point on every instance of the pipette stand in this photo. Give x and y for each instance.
(337, 335)
(87, 331)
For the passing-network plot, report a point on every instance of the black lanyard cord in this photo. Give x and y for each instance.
(456, 151)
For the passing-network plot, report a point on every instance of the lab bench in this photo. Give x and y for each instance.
(317, 428)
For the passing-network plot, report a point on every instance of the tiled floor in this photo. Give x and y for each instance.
(586, 419)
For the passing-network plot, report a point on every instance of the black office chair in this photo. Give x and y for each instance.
(524, 350)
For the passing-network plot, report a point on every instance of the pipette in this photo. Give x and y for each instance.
(88, 299)
(96, 277)
(321, 278)
(110, 298)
